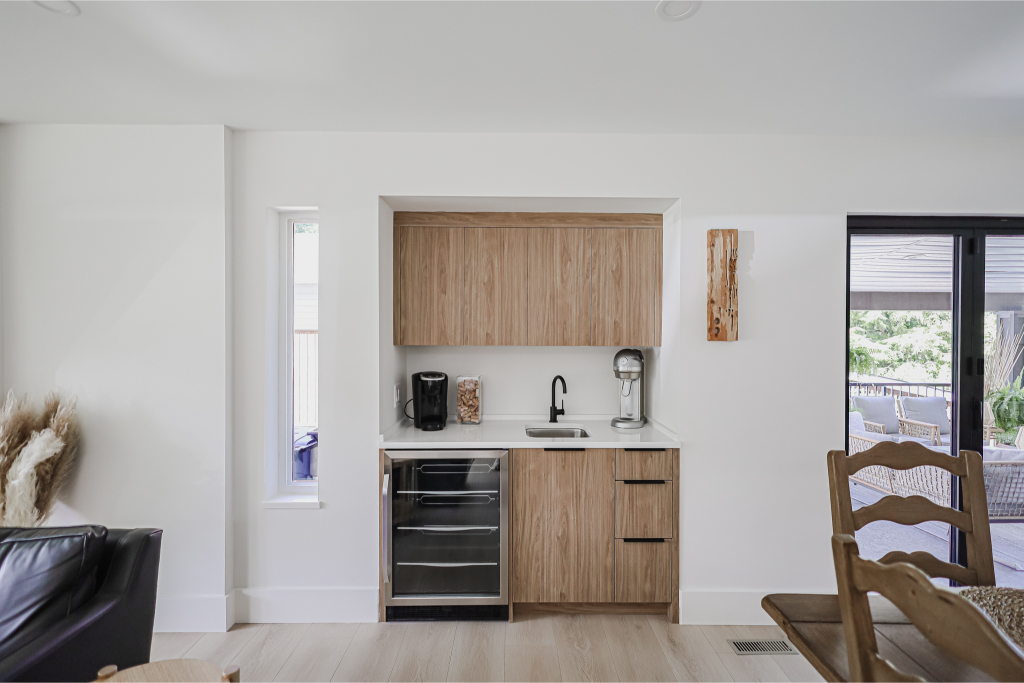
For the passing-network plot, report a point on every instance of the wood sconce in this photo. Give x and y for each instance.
(723, 304)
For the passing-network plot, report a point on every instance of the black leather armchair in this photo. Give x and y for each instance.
(98, 600)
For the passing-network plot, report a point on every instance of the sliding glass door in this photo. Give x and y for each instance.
(900, 360)
(935, 354)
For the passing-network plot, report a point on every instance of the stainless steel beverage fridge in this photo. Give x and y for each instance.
(445, 543)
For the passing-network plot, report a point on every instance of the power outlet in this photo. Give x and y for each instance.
(398, 394)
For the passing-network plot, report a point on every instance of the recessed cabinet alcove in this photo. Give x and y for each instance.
(519, 279)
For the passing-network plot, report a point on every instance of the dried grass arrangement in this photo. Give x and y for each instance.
(37, 450)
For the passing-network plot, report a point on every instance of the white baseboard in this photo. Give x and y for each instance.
(193, 613)
(723, 608)
(229, 610)
(326, 605)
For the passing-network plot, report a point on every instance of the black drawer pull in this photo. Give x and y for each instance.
(645, 450)
(643, 540)
(565, 449)
(644, 481)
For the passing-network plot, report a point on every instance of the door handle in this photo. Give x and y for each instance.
(385, 505)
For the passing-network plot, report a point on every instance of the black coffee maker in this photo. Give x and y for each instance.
(430, 400)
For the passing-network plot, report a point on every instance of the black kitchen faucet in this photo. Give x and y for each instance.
(555, 412)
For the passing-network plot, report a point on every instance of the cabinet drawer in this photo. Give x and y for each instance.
(643, 464)
(643, 571)
(643, 509)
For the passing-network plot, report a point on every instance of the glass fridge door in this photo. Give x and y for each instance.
(446, 527)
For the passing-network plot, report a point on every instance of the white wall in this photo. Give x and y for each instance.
(392, 359)
(756, 416)
(115, 289)
(115, 283)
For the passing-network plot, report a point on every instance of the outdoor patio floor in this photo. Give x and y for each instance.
(879, 538)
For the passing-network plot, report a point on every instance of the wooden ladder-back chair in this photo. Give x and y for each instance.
(952, 624)
(973, 520)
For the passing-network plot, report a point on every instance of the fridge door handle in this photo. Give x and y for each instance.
(385, 504)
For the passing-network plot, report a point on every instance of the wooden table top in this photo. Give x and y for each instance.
(814, 625)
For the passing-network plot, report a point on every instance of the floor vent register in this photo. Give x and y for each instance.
(762, 647)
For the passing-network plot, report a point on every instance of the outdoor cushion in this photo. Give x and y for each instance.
(924, 441)
(881, 409)
(874, 436)
(856, 421)
(1003, 454)
(930, 409)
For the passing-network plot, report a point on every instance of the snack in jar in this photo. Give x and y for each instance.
(467, 410)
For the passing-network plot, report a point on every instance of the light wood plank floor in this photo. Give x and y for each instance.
(534, 648)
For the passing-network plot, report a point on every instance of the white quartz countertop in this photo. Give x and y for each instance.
(495, 433)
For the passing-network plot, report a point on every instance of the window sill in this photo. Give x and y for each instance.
(292, 502)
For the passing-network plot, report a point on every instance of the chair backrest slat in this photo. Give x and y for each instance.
(973, 520)
(947, 620)
(904, 456)
(933, 566)
(910, 510)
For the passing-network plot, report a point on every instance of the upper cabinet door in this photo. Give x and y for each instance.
(430, 273)
(495, 289)
(627, 287)
(559, 287)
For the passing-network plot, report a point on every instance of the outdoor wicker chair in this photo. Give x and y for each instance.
(881, 416)
(1004, 479)
(924, 416)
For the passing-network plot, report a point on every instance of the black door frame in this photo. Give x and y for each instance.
(968, 234)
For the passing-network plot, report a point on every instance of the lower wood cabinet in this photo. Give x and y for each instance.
(643, 570)
(633, 464)
(643, 509)
(563, 525)
(581, 533)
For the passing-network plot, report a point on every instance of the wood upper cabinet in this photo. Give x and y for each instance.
(627, 287)
(539, 279)
(496, 286)
(559, 287)
(429, 275)
(563, 519)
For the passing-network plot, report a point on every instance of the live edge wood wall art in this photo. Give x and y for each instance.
(723, 304)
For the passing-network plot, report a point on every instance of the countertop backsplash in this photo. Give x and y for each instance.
(517, 379)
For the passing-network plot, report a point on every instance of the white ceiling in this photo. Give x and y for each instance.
(733, 67)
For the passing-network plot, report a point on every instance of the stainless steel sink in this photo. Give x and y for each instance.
(562, 432)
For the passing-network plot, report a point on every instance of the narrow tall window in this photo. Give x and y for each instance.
(305, 267)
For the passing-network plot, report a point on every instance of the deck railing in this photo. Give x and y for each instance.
(944, 389)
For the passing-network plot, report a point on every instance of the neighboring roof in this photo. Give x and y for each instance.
(899, 263)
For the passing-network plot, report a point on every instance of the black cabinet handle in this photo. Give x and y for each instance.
(643, 481)
(643, 540)
(565, 449)
(644, 450)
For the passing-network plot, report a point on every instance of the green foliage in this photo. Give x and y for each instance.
(1008, 406)
(1007, 438)
(860, 359)
(913, 346)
